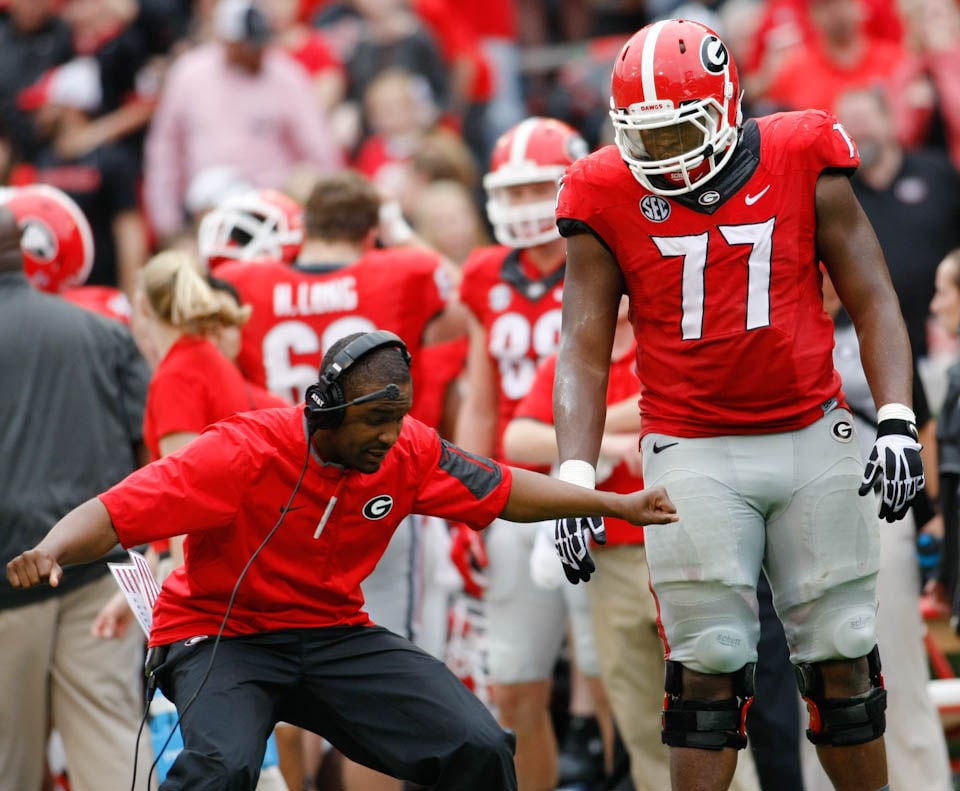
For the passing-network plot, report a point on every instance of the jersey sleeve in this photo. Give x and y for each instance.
(462, 486)
(820, 140)
(197, 488)
(537, 404)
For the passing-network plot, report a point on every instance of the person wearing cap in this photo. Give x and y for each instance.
(237, 101)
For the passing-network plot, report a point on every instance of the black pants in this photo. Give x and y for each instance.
(373, 695)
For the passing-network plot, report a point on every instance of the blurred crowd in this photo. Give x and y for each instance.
(160, 118)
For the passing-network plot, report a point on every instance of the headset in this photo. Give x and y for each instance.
(325, 404)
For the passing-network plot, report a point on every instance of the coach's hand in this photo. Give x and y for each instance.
(33, 567)
(894, 467)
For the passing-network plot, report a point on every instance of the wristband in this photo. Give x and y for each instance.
(896, 412)
(578, 472)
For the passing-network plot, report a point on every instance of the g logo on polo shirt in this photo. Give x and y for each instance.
(378, 507)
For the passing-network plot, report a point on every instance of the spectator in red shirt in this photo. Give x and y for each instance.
(300, 645)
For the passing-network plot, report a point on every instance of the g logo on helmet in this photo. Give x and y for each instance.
(378, 507)
(38, 239)
(714, 55)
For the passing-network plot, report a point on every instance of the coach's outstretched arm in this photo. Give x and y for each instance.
(535, 497)
(84, 534)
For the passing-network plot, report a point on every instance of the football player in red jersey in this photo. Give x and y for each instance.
(57, 248)
(713, 228)
(513, 294)
(333, 479)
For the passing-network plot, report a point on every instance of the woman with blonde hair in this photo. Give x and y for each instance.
(193, 383)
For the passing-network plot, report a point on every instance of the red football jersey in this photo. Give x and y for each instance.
(623, 382)
(226, 491)
(733, 338)
(194, 385)
(298, 313)
(521, 316)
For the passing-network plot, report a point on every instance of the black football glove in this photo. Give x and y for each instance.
(894, 468)
(570, 540)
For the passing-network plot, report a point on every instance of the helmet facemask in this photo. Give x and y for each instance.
(683, 147)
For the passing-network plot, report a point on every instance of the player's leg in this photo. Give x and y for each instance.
(388, 705)
(704, 572)
(822, 559)
(525, 628)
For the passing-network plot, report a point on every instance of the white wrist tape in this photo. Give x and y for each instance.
(579, 472)
(896, 412)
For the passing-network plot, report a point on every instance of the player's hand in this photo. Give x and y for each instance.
(33, 567)
(650, 506)
(894, 468)
(570, 541)
(469, 555)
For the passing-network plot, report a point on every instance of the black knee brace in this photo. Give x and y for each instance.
(706, 724)
(844, 721)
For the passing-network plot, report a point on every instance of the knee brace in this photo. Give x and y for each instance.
(706, 724)
(841, 722)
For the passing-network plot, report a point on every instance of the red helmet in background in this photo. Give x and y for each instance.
(56, 239)
(257, 224)
(675, 87)
(536, 150)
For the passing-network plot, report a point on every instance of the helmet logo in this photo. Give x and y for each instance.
(38, 239)
(655, 208)
(708, 198)
(714, 55)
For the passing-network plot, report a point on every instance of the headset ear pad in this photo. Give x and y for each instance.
(330, 397)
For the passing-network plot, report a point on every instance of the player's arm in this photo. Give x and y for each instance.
(84, 534)
(848, 247)
(477, 421)
(592, 288)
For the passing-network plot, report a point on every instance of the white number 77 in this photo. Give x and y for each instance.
(693, 249)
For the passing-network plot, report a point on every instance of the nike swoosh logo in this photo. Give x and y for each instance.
(657, 448)
(751, 199)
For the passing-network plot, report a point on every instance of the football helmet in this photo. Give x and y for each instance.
(55, 236)
(256, 224)
(535, 151)
(675, 105)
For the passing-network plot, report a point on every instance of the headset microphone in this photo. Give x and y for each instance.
(391, 393)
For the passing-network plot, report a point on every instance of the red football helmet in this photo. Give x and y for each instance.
(56, 239)
(535, 151)
(675, 105)
(257, 224)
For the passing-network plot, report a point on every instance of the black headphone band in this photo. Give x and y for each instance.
(360, 347)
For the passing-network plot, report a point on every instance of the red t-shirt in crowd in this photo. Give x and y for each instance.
(623, 383)
(194, 385)
(226, 491)
(733, 338)
(519, 308)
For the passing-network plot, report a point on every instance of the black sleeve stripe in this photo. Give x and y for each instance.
(480, 475)
(569, 227)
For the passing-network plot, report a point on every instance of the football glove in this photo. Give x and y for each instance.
(570, 541)
(894, 468)
(469, 555)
